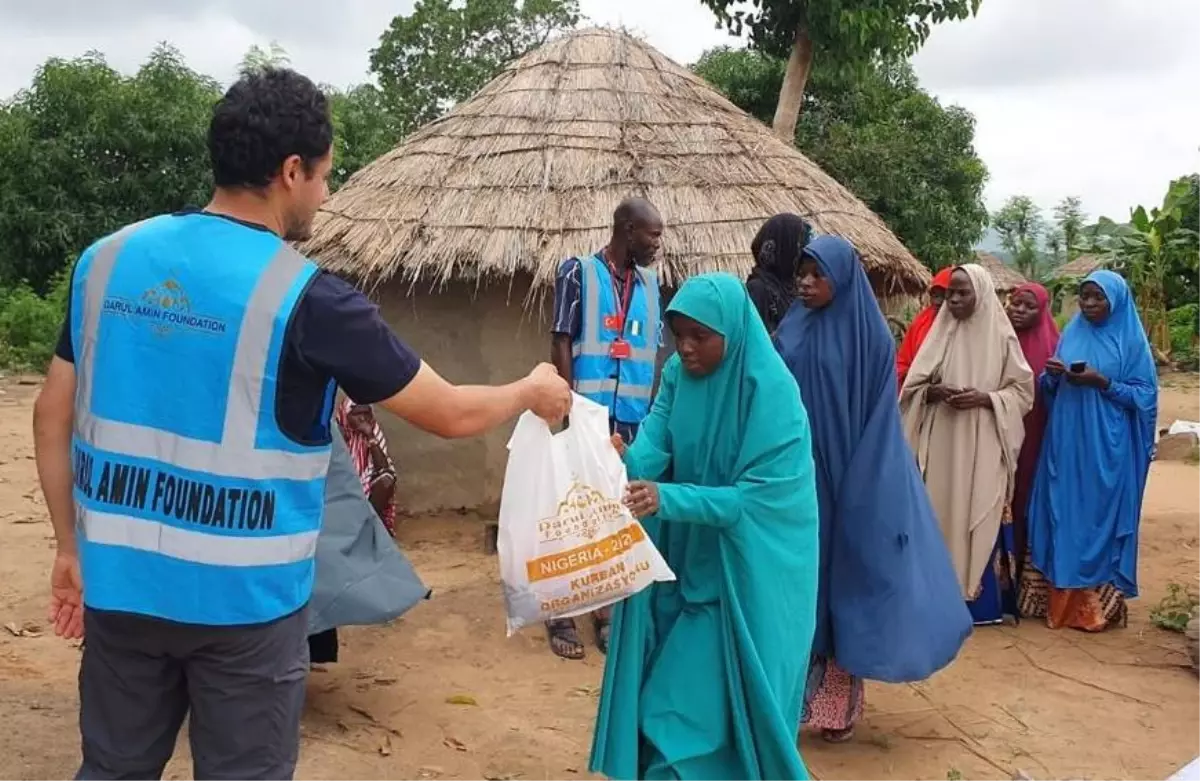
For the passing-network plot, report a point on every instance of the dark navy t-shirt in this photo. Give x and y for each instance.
(335, 333)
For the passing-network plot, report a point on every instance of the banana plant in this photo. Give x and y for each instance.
(1149, 250)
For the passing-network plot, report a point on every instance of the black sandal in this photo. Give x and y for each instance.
(564, 639)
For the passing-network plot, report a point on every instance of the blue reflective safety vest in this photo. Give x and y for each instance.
(624, 386)
(192, 505)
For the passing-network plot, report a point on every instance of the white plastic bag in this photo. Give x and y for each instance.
(567, 543)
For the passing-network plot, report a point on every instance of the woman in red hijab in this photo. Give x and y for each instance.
(919, 329)
(1029, 312)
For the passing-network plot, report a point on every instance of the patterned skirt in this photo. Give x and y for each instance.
(1087, 609)
(833, 698)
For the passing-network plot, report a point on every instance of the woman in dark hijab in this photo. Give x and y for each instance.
(776, 249)
(888, 603)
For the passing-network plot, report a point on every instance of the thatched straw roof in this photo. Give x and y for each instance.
(528, 171)
(1078, 268)
(1005, 276)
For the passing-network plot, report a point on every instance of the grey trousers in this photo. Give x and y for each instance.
(242, 685)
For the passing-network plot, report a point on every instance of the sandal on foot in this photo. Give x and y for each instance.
(837, 735)
(564, 639)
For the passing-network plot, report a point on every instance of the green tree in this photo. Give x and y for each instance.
(910, 159)
(85, 150)
(1057, 249)
(257, 57)
(1070, 218)
(1157, 253)
(445, 51)
(1020, 225)
(364, 129)
(1190, 203)
(838, 34)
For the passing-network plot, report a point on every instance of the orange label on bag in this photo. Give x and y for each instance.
(574, 559)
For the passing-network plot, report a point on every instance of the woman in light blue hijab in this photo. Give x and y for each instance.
(704, 677)
(1101, 392)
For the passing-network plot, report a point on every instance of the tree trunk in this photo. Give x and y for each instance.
(791, 93)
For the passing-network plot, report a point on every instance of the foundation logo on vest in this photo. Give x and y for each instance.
(166, 307)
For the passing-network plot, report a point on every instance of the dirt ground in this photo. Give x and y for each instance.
(442, 693)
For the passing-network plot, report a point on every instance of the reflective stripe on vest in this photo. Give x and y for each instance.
(198, 547)
(172, 525)
(593, 387)
(624, 386)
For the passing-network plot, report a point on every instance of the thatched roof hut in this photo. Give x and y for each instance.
(476, 211)
(527, 172)
(1003, 275)
(1078, 268)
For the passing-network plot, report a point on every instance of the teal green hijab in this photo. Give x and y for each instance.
(738, 525)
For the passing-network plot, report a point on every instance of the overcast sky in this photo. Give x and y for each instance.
(1096, 98)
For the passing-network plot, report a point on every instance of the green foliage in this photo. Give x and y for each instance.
(1020, 225)
(845, 34)
(1183, 324)
(910, 159)
(363, 129)
(1157, 253)
(1069, 218)
(750, 79)
(445, 51)
(29, 323)
(1175, 609)
(86, 150)
(256, 58)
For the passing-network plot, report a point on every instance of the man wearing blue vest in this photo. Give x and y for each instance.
(604, 341)
(183, 437)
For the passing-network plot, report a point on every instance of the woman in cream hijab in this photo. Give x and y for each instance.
(962, 405)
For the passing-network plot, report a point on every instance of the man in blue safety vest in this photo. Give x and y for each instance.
(604, 341)
(183, 438)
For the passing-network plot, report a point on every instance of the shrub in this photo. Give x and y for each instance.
(1175, 609)
(29, 323)
(1184, 325)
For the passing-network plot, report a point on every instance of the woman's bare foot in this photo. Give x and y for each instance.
(564, 639)
(837, 735)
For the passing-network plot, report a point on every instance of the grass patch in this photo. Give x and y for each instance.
(1175, 609)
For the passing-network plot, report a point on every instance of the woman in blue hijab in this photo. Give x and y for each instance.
(704, 676)
(889, 606)
(1101, 392)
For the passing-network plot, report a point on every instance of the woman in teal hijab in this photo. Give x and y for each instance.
(705, 676)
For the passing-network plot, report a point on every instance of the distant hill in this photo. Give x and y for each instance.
(990, 243)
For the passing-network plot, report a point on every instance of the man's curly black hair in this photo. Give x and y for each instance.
(267, 116)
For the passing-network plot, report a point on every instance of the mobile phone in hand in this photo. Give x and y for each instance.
(1078, 367)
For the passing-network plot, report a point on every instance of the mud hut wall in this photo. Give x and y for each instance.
(488, 335)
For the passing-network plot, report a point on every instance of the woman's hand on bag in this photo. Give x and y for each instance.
(642, 498)
(619, 445)
(547, 394)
